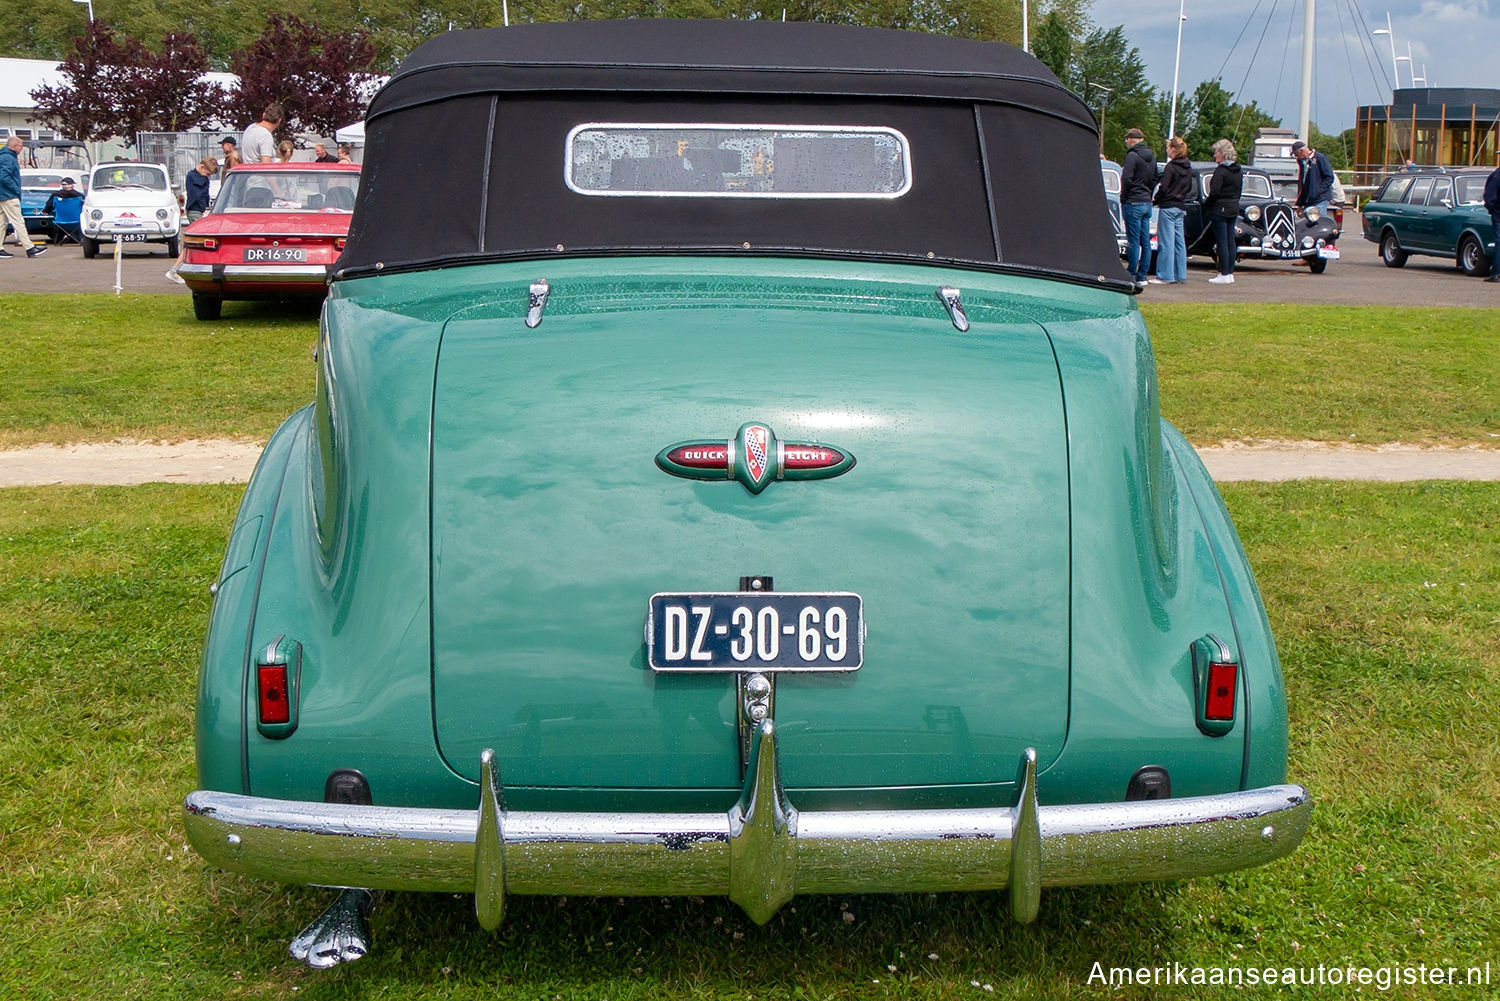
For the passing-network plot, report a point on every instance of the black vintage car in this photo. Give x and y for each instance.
(1268, 227)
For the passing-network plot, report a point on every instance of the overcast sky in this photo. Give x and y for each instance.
(1457, 41)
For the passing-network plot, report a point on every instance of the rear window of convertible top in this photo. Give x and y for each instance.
(640, 159)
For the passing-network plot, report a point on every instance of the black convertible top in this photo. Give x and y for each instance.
(466, 143)
(735, 57)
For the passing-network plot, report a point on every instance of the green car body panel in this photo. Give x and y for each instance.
(526, 636)
(818, 365)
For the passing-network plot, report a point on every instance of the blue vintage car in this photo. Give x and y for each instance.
(37, 186)
(1432, 212)
(1110, 173)
(732, 470)
(44, 163)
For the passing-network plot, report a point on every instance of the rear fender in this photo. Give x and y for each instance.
(1150, 574)
(223, 673)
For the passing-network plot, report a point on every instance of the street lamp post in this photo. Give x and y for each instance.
(1395, 74)
(1407, 61)
(1103, 106)
(1411, 67)
(90, 4)
(1176, 65)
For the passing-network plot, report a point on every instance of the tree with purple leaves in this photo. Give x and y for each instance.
(322, 79)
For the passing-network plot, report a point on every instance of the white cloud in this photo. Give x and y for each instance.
(1462, 12)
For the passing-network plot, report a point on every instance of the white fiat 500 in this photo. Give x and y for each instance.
(130, 202)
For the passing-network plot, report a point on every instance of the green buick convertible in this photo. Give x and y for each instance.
(732, 470)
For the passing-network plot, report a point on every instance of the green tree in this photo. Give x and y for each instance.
(43, 28)
(1053, 44)
(1108, 72)
(1211, 114)
(1339, 149)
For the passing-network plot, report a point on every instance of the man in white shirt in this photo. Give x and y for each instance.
(259, 142)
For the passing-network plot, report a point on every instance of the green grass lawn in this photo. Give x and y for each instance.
(98, 367)
(1385, 601)
(1329, 373)
(93, 368)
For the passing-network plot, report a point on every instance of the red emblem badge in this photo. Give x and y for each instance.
(755, 457)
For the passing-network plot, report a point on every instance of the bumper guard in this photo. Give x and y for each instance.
(760, 853)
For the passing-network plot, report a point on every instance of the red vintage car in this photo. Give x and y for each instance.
(272, 233)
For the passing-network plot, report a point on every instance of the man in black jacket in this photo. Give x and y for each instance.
(1137, 181)
(1492, 203)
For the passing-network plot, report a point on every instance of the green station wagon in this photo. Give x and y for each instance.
(732, 471)
(1431, 212)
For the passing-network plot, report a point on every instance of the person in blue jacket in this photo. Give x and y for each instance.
(195, 188)
(10, 198)
(1314, 177)
(65, 206)
(1492, 203)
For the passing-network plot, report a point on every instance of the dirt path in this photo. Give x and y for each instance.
(219, 461)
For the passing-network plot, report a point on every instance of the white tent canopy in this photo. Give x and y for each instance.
(351, 133)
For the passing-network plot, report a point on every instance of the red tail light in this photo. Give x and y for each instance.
(278, 682)
(1215, 683)
(1220, 702)
(338, 243)
(275, 700)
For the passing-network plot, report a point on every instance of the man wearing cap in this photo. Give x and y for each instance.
(1314, 177)
(1137, 182)
(65, 206)
(231, 156)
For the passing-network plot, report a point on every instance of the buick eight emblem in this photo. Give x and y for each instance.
(755, 457)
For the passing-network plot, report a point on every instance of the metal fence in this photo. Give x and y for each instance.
(179, 152)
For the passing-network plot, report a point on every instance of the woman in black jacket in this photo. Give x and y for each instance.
(1171, 199)
(1222, 207)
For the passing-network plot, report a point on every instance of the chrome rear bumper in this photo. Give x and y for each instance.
(230, 274)
(760, 853)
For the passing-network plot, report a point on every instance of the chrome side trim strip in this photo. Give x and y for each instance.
(760, 852)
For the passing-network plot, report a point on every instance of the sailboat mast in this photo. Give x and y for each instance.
(1304, 110)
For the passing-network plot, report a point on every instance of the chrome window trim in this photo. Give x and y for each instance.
(901, 140)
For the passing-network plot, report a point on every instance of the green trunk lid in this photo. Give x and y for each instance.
(552, 526)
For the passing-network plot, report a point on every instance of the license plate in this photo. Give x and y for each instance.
(274, 255)
(130, 237)
(1328, 253)
(749, 631)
